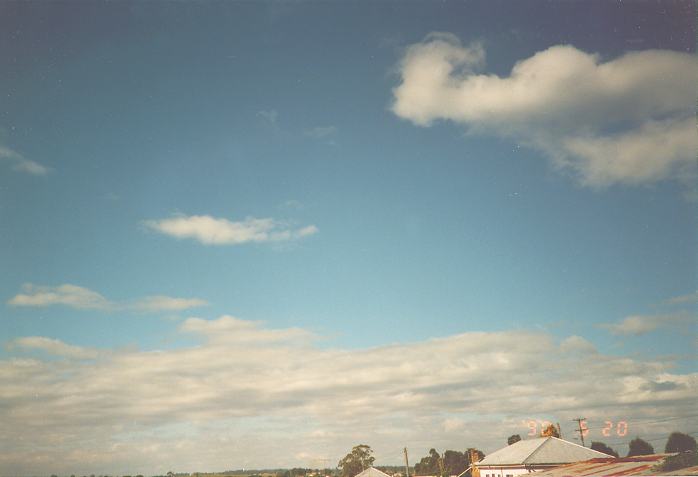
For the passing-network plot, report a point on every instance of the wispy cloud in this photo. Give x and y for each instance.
(167, 303)
(627, 120)
(69, 295)
(219, 231)
(232, 330)
(52, 346)
(642, 324)
(82, 298)
(296, 393)
(269, 116)
(20, 163)
(683, 299)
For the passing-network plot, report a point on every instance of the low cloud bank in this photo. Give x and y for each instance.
(250, 395)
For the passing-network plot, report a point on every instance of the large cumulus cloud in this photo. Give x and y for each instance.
(625, 120)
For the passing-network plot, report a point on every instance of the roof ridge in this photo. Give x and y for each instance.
(578, 445)
(547, 439)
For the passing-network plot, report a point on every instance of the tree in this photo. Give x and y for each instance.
(601, 447)
(680, 442)
(551, 430)
(639, 447)
(428, 465)
(513, 439)
(359, 459)
(450, 463)
(454, 462)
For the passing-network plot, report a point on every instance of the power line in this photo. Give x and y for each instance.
(635, 422)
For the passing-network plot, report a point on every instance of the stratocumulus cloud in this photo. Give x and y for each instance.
(625, 120)
(81, 298)
(299, 394)
(52, 347)
(70, 295)
(219, 231)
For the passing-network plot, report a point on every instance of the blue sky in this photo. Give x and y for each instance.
(344, 180)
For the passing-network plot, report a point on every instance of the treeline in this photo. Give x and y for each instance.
(302, 472)
(450, 463)
(677, 442)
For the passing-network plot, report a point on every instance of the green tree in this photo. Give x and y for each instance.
(454, 462)
(428, 465)
(359, 459)
(513, 439)
(639, 447)
(601, 447)
(680, 442)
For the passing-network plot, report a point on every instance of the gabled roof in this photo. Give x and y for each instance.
(542, 450)
(372, 472)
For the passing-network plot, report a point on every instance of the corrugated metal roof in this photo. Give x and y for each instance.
(542, 450)
(610, 467)
(372, 472)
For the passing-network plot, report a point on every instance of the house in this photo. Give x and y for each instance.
(371, 472)
(532, 455)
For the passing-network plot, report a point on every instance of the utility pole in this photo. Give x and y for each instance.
(407, 464)
(581, 431)
(441, 465)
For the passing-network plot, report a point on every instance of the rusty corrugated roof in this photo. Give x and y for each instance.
(611, 467)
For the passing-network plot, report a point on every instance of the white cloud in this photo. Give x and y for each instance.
(627, 120)
(52, 346)
(234, 330)
(577, 344)
(653, 151)
(642, 324)
(69, 295)
(167, 303)
(248, 395)
(21, 163)
(83, 298)
(218, 231)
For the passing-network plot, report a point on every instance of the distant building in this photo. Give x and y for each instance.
(532, 455)
(371, 472)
